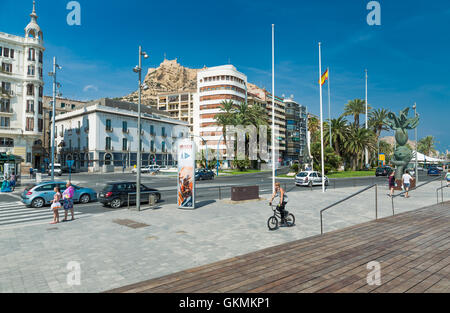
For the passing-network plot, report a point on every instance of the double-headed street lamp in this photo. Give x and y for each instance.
(138, 69)
(55, 85)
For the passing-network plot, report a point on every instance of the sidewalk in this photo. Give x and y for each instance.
(35, 258)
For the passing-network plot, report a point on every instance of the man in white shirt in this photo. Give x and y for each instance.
(406, 179)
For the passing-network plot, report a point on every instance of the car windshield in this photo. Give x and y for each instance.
(302, 174)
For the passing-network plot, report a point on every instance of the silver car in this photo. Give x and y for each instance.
(310, 178)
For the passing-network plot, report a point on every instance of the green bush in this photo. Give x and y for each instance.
(294, 168)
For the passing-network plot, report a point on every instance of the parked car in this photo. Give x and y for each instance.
(147, 169)
(383, 171)
(203, 174)
(115, 194)
(41, 194)
(310, 178)
(434, 171)
(57, 169)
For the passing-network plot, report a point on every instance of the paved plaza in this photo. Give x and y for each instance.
(122, 247)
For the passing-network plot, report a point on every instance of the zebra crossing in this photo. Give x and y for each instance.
(16, 214)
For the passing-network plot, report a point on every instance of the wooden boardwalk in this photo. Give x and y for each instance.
(413, 249)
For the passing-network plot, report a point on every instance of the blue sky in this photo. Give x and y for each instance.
(407, 56)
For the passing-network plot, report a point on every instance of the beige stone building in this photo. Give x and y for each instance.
(180, 105)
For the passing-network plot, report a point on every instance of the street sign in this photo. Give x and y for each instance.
(382, 157)
(186, 174)
(70, 163)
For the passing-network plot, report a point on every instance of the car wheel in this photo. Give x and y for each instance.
(37, 203)
(85, 198)
(116, 203)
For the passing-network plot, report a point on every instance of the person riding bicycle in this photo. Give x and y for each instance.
(281, 207)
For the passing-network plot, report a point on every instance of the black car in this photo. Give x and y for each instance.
(203, 174)
(116, 194)
(383, 171)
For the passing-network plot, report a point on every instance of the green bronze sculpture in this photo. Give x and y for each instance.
(401, 125)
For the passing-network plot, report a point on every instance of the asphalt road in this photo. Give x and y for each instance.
(220, 187)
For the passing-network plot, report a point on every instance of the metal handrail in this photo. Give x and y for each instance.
(442, 193)
(348, 198)
(417, 187)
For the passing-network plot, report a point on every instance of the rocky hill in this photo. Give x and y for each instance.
(169, 76)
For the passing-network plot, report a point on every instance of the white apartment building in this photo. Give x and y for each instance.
(215, 85)
(22, 84)
(103, 136)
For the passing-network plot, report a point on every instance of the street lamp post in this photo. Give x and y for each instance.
(415, 133)
(218, 163)
(206, 145)
(53, 74)
(138, 69)
(367, 126)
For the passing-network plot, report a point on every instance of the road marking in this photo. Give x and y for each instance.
(16, 214)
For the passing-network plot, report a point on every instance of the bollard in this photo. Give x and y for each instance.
(220, 194)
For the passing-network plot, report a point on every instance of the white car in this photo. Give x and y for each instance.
(310, 178)
(57, 169)
(147, 169)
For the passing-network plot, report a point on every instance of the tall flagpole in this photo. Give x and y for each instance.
(367, 151)
(321, 119)
(329, 108)
(273, 107)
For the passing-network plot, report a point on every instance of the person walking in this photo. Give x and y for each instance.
(68, 201)
(407, 182)
(31, 172)
(12, 181)
(56, 205)
(392, 183)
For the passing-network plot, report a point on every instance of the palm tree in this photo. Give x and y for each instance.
(377, 121)
(339, 133)
(355, 108)
(226, 117)
(313, 127)
(426, 145)
(357, 141)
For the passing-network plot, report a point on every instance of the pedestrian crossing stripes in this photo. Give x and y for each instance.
(17, 214)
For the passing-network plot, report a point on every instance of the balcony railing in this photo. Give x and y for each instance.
(109, 148)
(6, 110)
(109, 129)
(125, 131)
(7, 92)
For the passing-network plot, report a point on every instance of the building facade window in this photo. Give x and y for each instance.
(30, 106)
(40, 56)
(6, 142)
(4, 122)
(30, 90)
(124, 144)
(7, 67)
(152, 146)
(163, 131)
(31, 69)
(5, 105)
(40, 125)
(124, 126)
(30, 124)
(31, 54)
(163, 146)
(152, 130)
(40, 108)
(108, 125)
(108, 143)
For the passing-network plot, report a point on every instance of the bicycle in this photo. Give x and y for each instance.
(272, 222)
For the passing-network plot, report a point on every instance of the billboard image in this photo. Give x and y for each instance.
(186, 174)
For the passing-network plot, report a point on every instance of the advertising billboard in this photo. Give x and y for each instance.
(186, 174)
